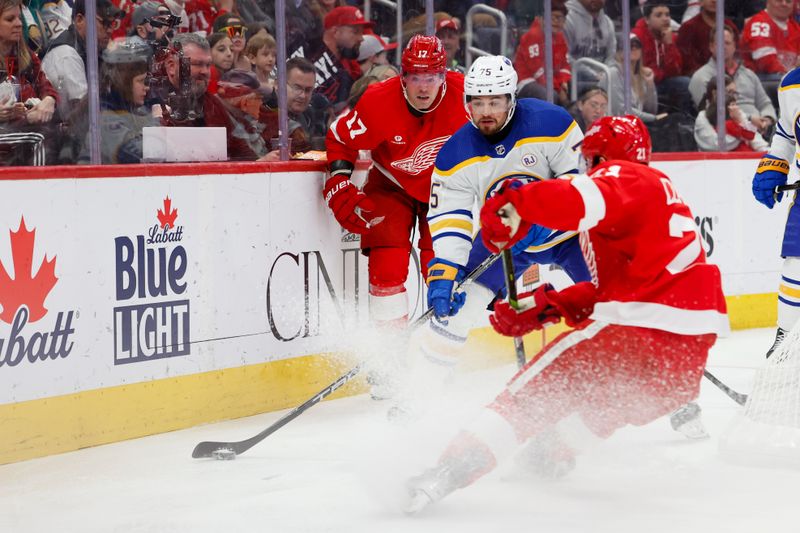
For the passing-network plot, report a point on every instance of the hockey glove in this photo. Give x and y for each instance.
(545, 306)
(536, 236)
(501, 226)
(442, 278)
(350, 206)
(772, 171)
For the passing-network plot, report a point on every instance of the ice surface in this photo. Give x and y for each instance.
(340, 468)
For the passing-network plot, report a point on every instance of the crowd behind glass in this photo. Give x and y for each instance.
(213, 63)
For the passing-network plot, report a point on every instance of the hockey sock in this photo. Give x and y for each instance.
(789, 294)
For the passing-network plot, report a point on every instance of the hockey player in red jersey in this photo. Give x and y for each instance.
(643, 325)
(403, 121)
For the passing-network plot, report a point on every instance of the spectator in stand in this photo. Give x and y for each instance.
(644, 98)
(255, 126)
(740, 134)
(142, 31)
(660, 53)
(771, 40)
(448, 30)
(233, 26)
(589, 31)
(753, 100)
(592, 104)
(344, 31)
(27, 99)
(55, 17)
(693, 37)
(64, 61)
(372, 51)
(529, 59)
(203, 13)
(221, 57)
(307, 107)
(178, 9)
(123, 88)
(262, 51)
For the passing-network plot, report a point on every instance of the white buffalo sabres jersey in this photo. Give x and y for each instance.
(784, 142)
(543, 143)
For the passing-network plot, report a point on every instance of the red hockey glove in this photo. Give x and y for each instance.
(536, 313)
(501, 226)
(350, 206)
(545, 306)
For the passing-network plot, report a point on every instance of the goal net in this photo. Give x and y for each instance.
(767, 431)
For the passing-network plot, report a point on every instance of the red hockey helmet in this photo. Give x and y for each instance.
(623, 138)
(424, 54)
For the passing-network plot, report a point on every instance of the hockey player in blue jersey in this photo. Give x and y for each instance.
(773, 170)
(506, 140)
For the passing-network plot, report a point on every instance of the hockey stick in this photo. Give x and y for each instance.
(511, 288)
(737, 397)
(472, 276)
(785, 188)
(788, 187)
(229, 450)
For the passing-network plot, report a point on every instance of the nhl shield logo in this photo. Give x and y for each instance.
(528, 160)
(500, 149)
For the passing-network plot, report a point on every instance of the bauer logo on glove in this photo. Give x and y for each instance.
(771, 173)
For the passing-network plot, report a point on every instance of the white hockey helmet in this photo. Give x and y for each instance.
(491, 75)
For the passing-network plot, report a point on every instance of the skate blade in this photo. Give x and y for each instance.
(418, 501)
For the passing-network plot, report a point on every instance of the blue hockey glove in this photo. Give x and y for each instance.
(772, 171)
(536, 236)
(442, 278)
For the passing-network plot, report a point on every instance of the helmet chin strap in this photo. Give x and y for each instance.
(442, 91)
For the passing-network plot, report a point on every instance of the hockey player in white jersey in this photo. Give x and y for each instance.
(773, 170)
(523, 140)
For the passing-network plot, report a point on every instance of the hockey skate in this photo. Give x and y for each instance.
(462, 464)
(545, 456)
(779, 336)
(687, 421)
(429, 487)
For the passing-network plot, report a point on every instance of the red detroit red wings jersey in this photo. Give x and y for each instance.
(768, 48)
(404, 146)
(641, 245)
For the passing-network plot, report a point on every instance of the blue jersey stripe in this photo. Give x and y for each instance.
(452, 234)
(466, 212)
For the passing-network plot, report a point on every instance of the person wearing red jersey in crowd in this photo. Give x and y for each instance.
(529, 60)
(404, 121)
(770, 40)
(642, 327)
(693, 36)
(203, 13)
(660, 53)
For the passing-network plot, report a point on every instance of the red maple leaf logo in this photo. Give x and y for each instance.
(24, 289)
(168, 215)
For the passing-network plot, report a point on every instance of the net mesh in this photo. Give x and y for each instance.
(767, 431)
